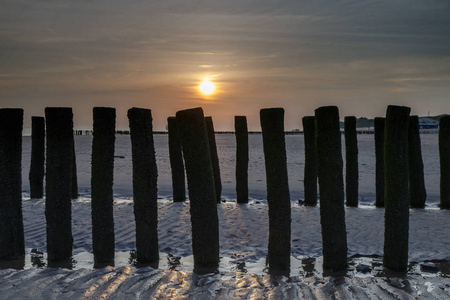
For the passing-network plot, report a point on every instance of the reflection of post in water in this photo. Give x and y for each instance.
(37, 258)
(309, 266)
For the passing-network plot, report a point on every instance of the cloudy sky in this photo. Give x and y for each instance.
(359, 55)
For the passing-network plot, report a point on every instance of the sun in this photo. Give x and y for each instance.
(207, 87)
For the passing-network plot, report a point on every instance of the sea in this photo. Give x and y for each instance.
(226, 148)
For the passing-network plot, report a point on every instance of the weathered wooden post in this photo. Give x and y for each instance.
(176, 161)
(58, 205)
(74, 174)
(12, 244)
(214, 157)
(37, 166)
(396, 224)
(310, 172)
(202, 194)
(379, 161)
(417, 191)
(278, 197)
(102, 177)
(331, 188)
(444, 154)
(145, 191)
(351, 161)
(241, 131)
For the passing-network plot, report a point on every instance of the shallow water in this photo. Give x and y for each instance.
(227, 150)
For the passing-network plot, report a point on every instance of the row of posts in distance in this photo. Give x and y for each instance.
(396, 138)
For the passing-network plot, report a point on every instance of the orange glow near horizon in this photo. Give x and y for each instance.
(207, 87)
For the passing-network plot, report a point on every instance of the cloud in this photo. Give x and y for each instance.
(293, 53)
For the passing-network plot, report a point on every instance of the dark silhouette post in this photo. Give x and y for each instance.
(102, 177)
(214, 157)
(278, 198)
(12, 244)
(176, 161)
(396, 224)
(310, 173)
(202, 195)
(145, 191)
(58, 205)
(444, 154)
(241, 131)
(74, 174)
(331, 188)
(417, 191)
(379, 161)
(37, 166)
(351, 161)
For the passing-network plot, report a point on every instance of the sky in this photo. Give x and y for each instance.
(358, 55)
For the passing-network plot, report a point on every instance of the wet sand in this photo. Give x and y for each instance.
(242, 273)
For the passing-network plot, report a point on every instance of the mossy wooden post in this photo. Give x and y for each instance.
(102, 177)
(241, 131)
(310, 173)
(396, 224)
(417, 191)
(74, 174)
(202, 194)
(278, 198)
(331, 188)
(145, 191)
(214, 157)
(12, 244)
(351, 161)
(176, 161)
(379, 161)
(444, 154)
(58, 184)
(37, 166)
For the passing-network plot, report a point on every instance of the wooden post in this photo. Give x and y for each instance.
(444, 154)
(278, 198)
(417, 191)
(202, 195)
(12, 245)
(396, 225)
(58, 205)
(102, 184)
(145, 191)
(176, 161)
(214, 157)
(331, 188)
(37, 167)
(310, 173)
(241, 131)
(379, 161)
(351, 161)
(74, 174)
